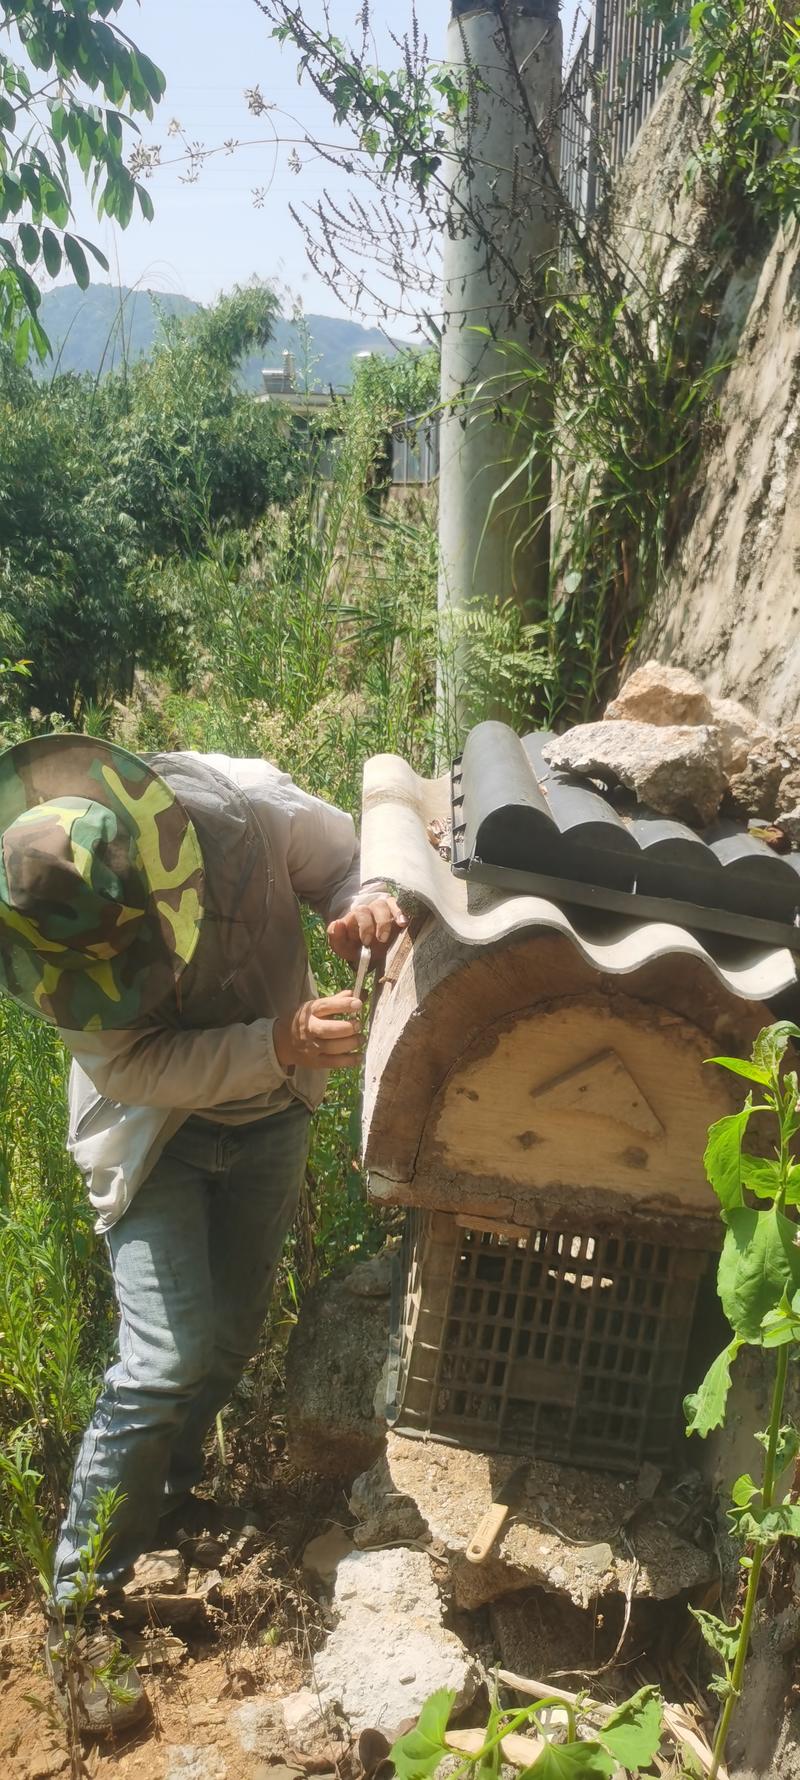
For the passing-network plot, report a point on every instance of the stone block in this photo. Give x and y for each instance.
(661, 695)
(334, 1369)
(573, 1533)
(675, 770)
(389, 1649)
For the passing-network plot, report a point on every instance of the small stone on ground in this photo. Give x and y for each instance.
(195, 1761)
(323, 1554)
(158, 1572)
(389, 1649)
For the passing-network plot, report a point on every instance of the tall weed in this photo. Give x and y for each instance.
(618, 404)
(55, 1313)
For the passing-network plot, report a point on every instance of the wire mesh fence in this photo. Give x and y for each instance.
(617, 73)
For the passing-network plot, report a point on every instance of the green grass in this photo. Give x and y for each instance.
(55, 1301)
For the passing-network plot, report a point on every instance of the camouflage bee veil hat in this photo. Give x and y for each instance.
(101, 883)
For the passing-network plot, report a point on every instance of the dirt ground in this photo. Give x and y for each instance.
(193, 1732)
(214, 1699)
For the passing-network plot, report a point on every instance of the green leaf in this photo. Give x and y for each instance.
(51, 249)
(420, 1751)
(22, 347)
(723, 1156)
(705, 1408)
(768, 1524)
(780, 1326)
(154, 80)
(739, 1066)
(762, 1177)
(145, 203)
(31, 294)
(759, 1262)
(94, 251)
(722, 1638)
(59, 122)
(788, 1448)
(571, 1761)
(54, 201)
(633, 1732)
(42, 348)
(29, 242)
(772, 1044)
(743, 1490)
(78, 261)
(117, 198)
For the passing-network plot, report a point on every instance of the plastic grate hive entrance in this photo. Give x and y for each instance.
(568, 1345)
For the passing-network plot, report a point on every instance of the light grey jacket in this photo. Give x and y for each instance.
(131, 1090)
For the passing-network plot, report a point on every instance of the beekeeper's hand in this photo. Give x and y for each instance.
(374, 924)
(322, 1034)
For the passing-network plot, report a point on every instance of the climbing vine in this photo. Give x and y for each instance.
(617, 405)
(746, 68)
(758, 1282)
(598, 1742)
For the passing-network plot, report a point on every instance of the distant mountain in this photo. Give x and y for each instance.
(97, 329)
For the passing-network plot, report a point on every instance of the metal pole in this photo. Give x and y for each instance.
(494, 545)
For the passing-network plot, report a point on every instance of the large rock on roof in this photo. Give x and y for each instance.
(675, 769)
(754, 790)
(661, 695)
(739, 733)
(788, 801)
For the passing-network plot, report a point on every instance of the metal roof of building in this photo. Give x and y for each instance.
(402, 810)
(522, 825)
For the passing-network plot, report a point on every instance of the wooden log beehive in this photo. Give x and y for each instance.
(547, 1124)
(537, 1092)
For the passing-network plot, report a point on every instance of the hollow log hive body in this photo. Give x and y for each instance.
(546, 1122)
(537, 1093)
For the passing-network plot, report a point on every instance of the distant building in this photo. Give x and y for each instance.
(410, 457)
(415, 451)
(280, 385)
(281, 381)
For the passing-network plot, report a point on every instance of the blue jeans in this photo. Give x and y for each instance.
(193, 1262)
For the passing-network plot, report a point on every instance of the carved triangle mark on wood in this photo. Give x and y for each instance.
(600, 1088)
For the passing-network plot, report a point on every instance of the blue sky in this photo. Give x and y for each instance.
(208, 236)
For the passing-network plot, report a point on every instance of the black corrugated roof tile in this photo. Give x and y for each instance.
(520, 823)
